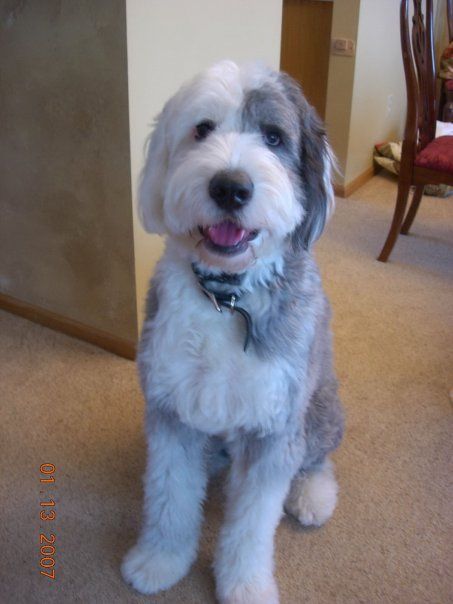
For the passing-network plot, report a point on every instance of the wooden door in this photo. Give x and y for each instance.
(305, 47)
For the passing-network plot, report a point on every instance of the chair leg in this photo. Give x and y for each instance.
(416, 199)
(400, 208)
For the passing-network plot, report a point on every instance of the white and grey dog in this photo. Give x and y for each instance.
(235, 354)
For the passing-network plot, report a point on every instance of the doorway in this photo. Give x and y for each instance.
(305, 48)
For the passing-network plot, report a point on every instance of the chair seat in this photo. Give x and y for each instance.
(437, 155)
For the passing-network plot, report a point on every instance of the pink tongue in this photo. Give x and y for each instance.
(226, 234)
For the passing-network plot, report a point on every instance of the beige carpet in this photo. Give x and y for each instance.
(70, 404)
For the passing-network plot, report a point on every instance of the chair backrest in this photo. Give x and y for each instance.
(419, 69)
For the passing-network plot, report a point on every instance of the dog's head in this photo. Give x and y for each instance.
(238, 168)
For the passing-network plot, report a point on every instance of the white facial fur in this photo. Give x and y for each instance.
(273, 206)
(174, 196)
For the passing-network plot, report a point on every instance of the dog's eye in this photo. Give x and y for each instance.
(203, 129)
(272, 138)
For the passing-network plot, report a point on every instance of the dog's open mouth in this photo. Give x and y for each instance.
(227, 238)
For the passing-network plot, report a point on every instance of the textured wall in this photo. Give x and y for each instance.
(66, 238)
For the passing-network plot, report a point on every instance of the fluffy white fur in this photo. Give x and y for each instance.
(191, 362)
(173, 196)
(214, 389)
(313, 497)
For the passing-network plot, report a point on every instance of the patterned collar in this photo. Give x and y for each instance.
(224, 290)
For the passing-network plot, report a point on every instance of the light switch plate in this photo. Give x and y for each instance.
(343, 46)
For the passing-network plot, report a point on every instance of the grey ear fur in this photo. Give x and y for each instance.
(316, 163)
(152, 178)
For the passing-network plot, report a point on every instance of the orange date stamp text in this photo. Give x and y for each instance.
(47, 514)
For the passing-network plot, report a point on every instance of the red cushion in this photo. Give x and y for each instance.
(437, 155)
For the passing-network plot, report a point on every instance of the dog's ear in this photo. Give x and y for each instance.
(152, 178)
(316, 164)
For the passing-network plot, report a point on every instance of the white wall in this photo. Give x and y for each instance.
(169, 41)
(357, 115)
(378, 75)
(345, 21)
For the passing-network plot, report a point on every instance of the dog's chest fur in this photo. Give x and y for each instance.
(192, 362)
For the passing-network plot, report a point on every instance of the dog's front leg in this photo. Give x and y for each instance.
(259, 480)
(175, 484)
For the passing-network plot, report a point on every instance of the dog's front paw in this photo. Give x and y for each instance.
(149, 572)
(251, 594)
(312, 499)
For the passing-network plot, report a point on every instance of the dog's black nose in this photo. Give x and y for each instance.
(231, 189)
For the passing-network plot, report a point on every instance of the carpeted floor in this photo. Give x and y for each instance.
(67, 403)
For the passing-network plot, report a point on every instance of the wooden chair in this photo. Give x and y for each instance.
(424, 159)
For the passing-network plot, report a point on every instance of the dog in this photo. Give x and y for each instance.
(235, 353)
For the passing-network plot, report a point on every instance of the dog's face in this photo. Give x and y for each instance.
(238, 168)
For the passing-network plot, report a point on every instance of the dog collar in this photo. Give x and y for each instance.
(223, 298)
